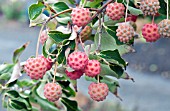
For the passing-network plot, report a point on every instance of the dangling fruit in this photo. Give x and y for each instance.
(150, 32)
(93, 68)
(52, 92)
(49, 62)
(125, 32)
(43, 37)
(98, 91)
(77, 60)
(74, 75)
(150, 7)
(80, 16)
(115, 10)
(85, 33)
(164, 28)
(36, 67)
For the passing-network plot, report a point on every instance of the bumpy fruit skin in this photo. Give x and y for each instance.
(85, 33)
(150, 7)
(150, 32)
(125, 32)
(77, 60)
(52, 92)
(98, 91)
(35, 67)
(164, 28)
(49, 62)
(74, 75)
(43, 37)
(93, 68)
(80, 16)
(115, 10)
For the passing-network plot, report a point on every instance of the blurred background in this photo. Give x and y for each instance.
(149, 65)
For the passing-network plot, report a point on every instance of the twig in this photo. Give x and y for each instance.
(100, 33)
(55, 71)
(167, 9)
(95, 15)
(85, 1)
(127, 6)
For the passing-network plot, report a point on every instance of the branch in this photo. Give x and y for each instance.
(95, 15)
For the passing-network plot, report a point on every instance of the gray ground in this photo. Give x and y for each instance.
(150, 92)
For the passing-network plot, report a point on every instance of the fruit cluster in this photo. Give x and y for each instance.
(79, 61)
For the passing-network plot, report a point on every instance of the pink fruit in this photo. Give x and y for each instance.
(150, 32)
(125, 32)
(115, 10)
(98, 91)
(35, 67)
(43, 37)
(150, 7)
(92, 68)
(74, 75)
(49, 62)
(80, 16)
(52, 92)
(77, 60)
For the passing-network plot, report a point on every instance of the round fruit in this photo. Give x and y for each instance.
(98, 91)
(164, 28)
(77, 60)
(92, 68)
(43, 37)
(85, 33)
(74, 75)
(35, 67)
(115, 10)
(125, 32)
(52, 92)
(49, 62)
(80, 16)
(150, 32)
(150, 7)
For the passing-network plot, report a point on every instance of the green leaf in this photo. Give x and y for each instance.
(70, 104)
(5, 76)
(134, 11)
(18, 52)
(113, 57)
(58, 36)
(6, 68)
(25, 83)
(35, 10)
(60, 6)
(117, 69)
(163, 7)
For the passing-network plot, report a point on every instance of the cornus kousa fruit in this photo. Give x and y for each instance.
(115, 10)
(77, 60)
(35, 67)
(48, 62)
(150, 32)
(98, 91)
(74, 75)
(43, 37)
(85, 33)
(150, 7)
(80, 16)
(125, 32)
(164, 28)
(52, 91)
(92, 68)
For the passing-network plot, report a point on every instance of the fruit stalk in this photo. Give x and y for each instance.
(127, 6)
(167, 9)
